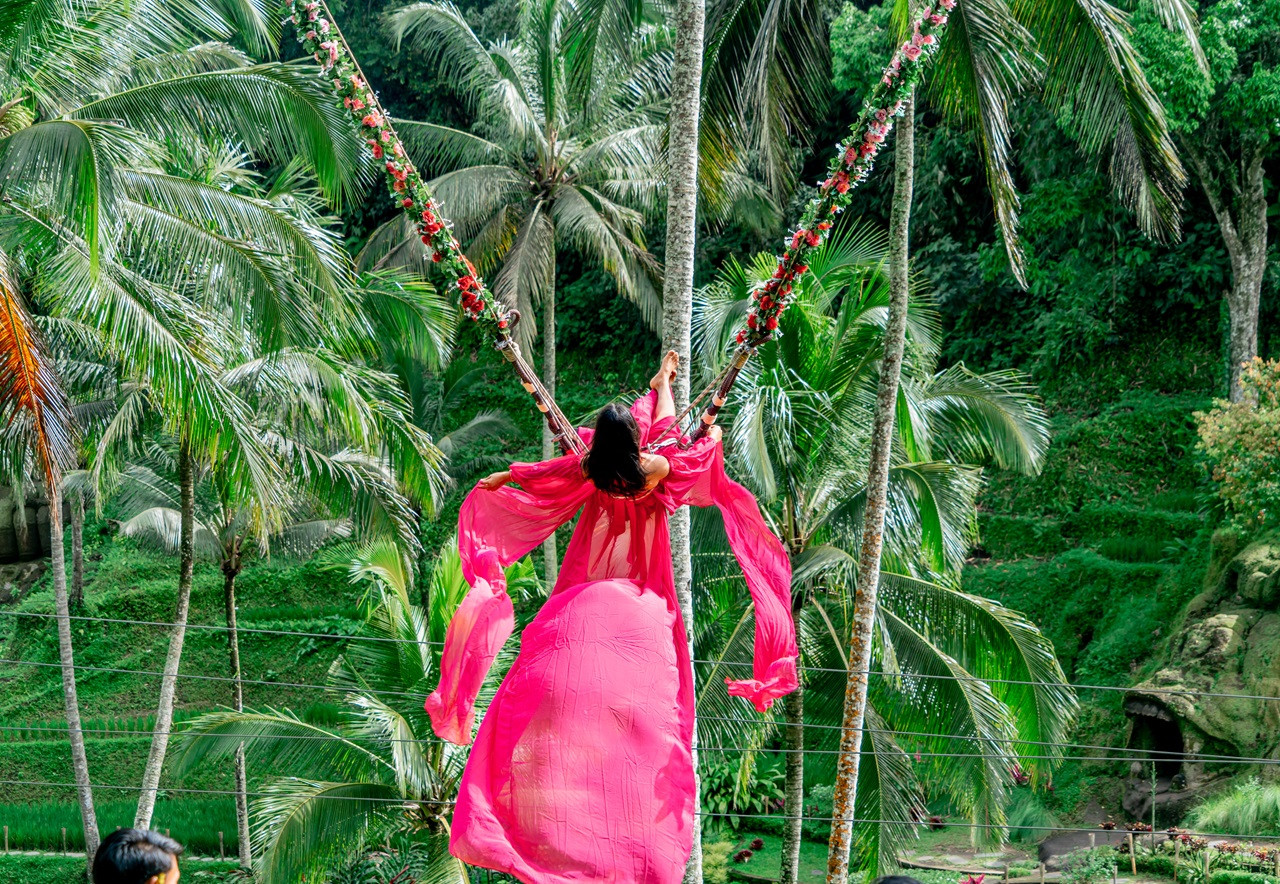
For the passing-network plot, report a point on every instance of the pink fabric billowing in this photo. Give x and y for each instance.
(582, 768)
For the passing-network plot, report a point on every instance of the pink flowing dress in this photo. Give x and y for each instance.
(581, 770)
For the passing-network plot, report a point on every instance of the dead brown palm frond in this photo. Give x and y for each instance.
(29, 387)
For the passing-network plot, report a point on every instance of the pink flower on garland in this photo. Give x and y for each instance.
(311, 35)
(376, 148)
(928, 39)
(842, 182)
(324, 25)
(911, 52)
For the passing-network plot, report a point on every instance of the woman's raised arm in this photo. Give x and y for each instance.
(497, 525)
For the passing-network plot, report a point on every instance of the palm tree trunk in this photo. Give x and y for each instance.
(677, 298)
(230, 569)
(864, 603)
(793, 714)
(169, 680)
(77, 548)
(79, 763)
(550, 559)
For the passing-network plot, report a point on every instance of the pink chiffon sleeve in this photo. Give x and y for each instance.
(698, 478)
(495, 528)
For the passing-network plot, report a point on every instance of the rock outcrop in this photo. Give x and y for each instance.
(1228, 644)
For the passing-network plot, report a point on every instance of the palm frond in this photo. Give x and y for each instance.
(986, 61)
(1001, 647)
(528, 270)
(301, 825)
(1093, 71)
(279, 111)
(978, 419)
(73, 167)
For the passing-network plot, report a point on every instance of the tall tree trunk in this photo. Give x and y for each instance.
(230, 568)
(1240, 208)
(77, 548)
(75, 734)
(793, 829)
(677, 298)
(550, 558)
(169, 680)
(864, 603)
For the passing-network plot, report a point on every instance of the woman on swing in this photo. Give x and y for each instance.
(581, 770)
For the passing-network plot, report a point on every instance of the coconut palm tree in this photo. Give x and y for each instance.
(306, 405)
(1078, 55)
(800, 437)
(378, 770)
(38, 426)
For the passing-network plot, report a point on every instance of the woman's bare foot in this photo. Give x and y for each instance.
(667, 371)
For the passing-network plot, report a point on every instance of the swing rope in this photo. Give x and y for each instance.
(318, 32)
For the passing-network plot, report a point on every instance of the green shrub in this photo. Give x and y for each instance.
(1095, 524)
(1249, 809)
(1012, 537)
(1089, 866)
(1028, 817)
(1232, 876)
(1240, 441)
(715, 862)
(1161, 866)
(724, 792)
(17, 869)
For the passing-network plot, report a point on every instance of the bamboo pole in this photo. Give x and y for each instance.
(1133, 856)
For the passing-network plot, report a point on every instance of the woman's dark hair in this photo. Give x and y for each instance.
(613, 463)
(133, 856)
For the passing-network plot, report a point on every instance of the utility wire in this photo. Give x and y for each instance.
(1146, 754)
(705, 747)
(705, 813)
(738, 663)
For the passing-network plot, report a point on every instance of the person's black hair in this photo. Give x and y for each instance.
(133, 856)
(613, 463)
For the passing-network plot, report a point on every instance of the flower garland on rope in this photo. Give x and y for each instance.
(850, 167)
(319, 36)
